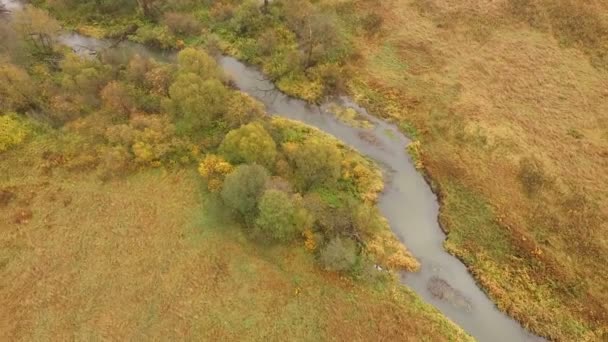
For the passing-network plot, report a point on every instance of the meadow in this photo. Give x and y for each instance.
(506, 101)
(150, 256)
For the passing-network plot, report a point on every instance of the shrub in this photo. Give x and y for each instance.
(243, 188)
(277, 218)
(250, 144)
(113, 162)
(372, 23)
(182, 23)
(214, 170)
(340, 254)
(531, 175)
(12, 132)
(156, 36)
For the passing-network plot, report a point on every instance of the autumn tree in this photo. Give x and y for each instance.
(243, 188)
(250, 143)
(277, 218)
(317, 31)
(316, 163)
(198, 62)
(137, 68)
(340, 254)
(242, 109)
(247, 19)
(16, 88)
(196, 102)
(214, 170)
(147, 8)
(37, 27)
(115, 96)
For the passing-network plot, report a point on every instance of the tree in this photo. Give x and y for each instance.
(214, 170)
(277, 217)
(196, 61)
(243, 188)
(16, 88)
(319, 36)
(340, 254)
(137, 68)
(147, 8)
(37, 27)
(196, 101)
(115, 96)
(247, 19)
(250, 143)
(316, 163)
(243, 109)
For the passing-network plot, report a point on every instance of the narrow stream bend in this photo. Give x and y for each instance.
(407, 202)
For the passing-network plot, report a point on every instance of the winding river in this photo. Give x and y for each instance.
(407, 202)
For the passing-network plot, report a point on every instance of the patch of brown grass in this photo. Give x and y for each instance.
(143, 258)
(486, 92)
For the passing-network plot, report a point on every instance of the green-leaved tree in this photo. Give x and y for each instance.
(242, 189)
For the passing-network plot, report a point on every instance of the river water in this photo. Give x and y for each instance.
(407, 202)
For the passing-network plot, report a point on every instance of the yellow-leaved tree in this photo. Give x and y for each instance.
(214, 170)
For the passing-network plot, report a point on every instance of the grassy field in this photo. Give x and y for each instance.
(149, 257)
(510, 101)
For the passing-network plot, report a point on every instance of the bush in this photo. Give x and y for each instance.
(340, 254)
(277, 219)
(243, 188)
(372, 23)
(214, 170)
(156, 36)
(250, 144)
(114, 162)
(12, 132)
(182, 23)
(531, 175)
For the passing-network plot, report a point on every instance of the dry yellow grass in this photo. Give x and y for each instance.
(144, 258)
(486, 90)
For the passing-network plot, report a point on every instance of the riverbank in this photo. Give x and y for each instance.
(492, 133)
(515, 160)
(409, 205)
(93, 170)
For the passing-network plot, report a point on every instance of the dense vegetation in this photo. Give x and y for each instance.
(283, 181)
(508, 90)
